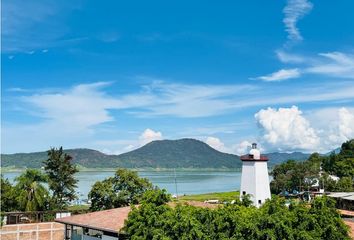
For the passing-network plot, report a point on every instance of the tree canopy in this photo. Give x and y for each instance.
(32, 195)
(8, 196)
(271, 221)
(123, 189)
(292, 175)
(60, 171)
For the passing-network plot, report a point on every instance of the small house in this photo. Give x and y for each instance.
(101, 225)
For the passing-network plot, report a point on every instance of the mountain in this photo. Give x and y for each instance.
(182, 153)
(278, 157)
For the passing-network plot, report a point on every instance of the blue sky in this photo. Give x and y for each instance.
(114, 75)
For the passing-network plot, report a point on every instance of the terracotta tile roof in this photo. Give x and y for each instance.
(113, 220)
(108, 220)
(346, 213)
(350, 224)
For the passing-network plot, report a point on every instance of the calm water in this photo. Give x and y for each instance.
(188, 182)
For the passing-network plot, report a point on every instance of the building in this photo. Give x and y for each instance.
(344, 200)
(255, 179)
(106, 224)
(101, 225)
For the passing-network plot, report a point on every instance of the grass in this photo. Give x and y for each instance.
(221, 196)
(79, 208)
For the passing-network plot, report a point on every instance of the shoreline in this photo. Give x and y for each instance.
(9, 170)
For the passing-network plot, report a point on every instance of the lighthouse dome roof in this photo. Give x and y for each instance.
(255, 152)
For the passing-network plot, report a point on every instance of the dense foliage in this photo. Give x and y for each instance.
(272, 221)
(61, 179)
(38, 191)
(32, 194)
(125, 188)
(8, 196)
(183, 153)
(292, 175)
(28, 194)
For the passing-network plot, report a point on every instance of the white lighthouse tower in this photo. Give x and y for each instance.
(255, 179)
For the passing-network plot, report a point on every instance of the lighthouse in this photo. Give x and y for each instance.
(254, 179)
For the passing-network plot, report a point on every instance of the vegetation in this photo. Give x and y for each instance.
(8, 196)
(32, 194)
(29, 193)
(183, 153)
(271, 221)
(221, 196)
(299, 176)
(125, 188)
(60, 171)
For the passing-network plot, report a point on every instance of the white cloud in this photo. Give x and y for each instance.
(286, 129)
(243, 147)
(336, 64)
(294, 11)
(289, 58)
(334, 126)
(149, 135)
(89, 105)
(81, 107)
(346, 124)
(216, 143)
(186, 100)
(332, 64)
(119, 146)
(80, 112)
(282, 74)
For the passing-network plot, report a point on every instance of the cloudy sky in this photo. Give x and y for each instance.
(115, 75)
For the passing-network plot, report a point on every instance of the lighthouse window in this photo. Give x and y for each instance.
(244, 193)
(259, 201)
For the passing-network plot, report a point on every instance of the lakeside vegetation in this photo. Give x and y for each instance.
(35, 190)
(334, 172)
(220, 196)
(83, 169)
(154, 219)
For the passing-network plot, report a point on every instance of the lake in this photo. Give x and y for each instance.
(188, 182)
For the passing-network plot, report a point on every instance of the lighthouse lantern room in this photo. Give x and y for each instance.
(255, 179)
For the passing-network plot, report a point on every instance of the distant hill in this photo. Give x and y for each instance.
(182, 153)
(277, 157)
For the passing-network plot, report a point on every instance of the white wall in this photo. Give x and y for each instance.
(255, 181)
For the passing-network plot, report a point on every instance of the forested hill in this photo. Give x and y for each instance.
(276, 158)
(182, 153)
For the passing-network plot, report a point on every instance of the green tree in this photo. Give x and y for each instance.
(61, 173)
(32, 194)
(292, 175)
(102, 195)
(156, 196)
(347, 149)
(345, 184)
(8, 196)
(271, 221)
(343, 163)
(125, 188)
